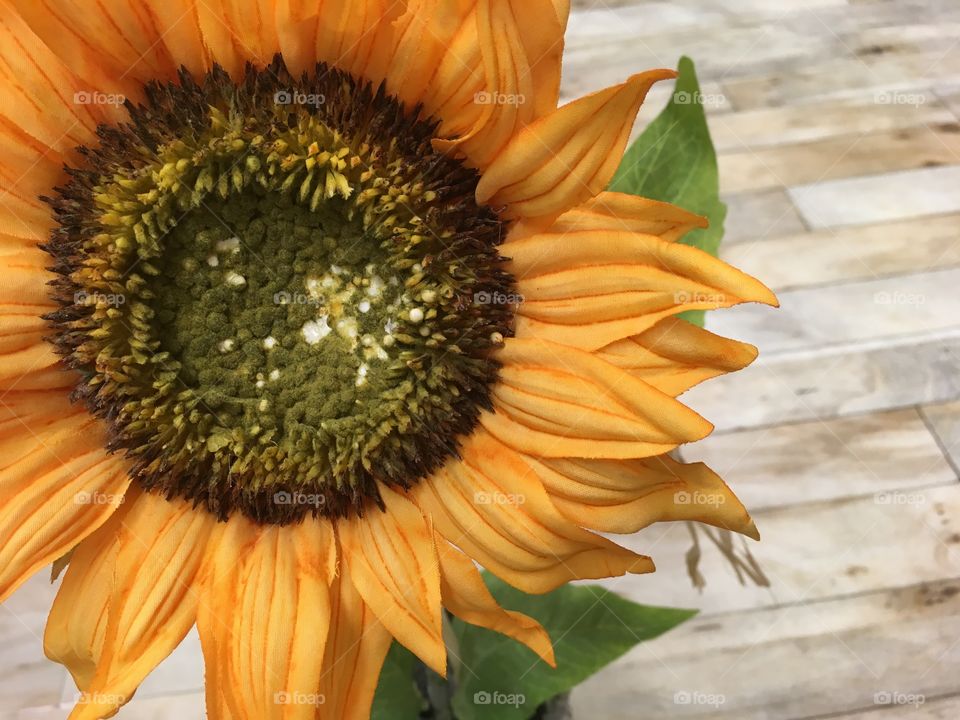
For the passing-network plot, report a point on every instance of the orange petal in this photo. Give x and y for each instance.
(160, 547)
(569, 155)
(28, 169)
(622, 212)
(499, 73)
(113, 46)
(57, 483)
(77, 622)
(393, 562)
(347, 35)
(466, 596)
(263, 618)
(356, 648)
(493, 507)
(40, 92)
(624, 496)
(239, 31)
(675, 355)
(27, 361)
(588, 289)
(556, 401)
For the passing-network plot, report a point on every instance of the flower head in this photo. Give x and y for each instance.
(307, 316)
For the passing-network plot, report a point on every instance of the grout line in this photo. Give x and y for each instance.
(938, 438)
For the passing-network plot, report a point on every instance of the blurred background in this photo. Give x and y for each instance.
(837, 124)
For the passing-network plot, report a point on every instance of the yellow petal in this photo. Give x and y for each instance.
(153, 600)
(356, 648)
(263, 619)
(393, 562)
(556, 401)
(624, 496)
(578, 291)
(493, 507)
(57, 483)
(569, 155)
(675, 355)
(466, 596)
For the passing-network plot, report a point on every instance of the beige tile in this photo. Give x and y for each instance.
(853, 253)
(842, 157)
(809, 661)
(833, 381)
(878, 198)
(811, 552)
(826, 460)
(766, 214)
(899, 76)
(945, 421)
(861, 114)
(855, 312)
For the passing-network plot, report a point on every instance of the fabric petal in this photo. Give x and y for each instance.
(627, 496)
(675, 355)
(493, 507)
(622, 212)
(263, 618)
(466, 596)
(78, 618)
(152, 605)
(351, 36)
(591, 288)
(568, 156)
(500, 72)
(356, 648)
(555, 401)
(393, 562)
(239, 31)
(42, 96)
(57, 483)
(113, 46)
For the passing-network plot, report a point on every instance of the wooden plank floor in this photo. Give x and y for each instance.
(838, 128)
(839, 146)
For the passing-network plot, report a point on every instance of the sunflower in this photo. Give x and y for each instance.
(309, 309)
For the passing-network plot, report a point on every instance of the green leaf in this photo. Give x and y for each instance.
(397, 696)
(590, 627)
(674, 161)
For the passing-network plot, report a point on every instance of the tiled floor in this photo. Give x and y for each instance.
(838, 127)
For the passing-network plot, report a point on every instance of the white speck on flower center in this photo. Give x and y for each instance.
(269, 343)
(315, 330)
(231, 245)
(235, 279)
(362, 374)
(213, 260)
(364, 306)
(274, 374)
(227, 345)
(416, 316)
(375, 289)
(264, 404)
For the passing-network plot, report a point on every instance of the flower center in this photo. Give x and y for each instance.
(274, 292)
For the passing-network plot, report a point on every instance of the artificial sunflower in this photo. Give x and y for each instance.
(308, 308)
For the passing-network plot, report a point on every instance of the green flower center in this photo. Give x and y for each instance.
(277, 304)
